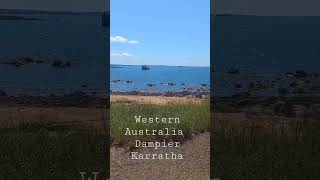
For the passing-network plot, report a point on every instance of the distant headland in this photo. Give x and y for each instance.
(23, 11)
(16, 18)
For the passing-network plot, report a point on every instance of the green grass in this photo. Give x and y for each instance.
(293, 154)
(40, 154)
(194, 118)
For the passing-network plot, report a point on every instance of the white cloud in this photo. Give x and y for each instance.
(122, 54)
(133, 42)
(118, 39)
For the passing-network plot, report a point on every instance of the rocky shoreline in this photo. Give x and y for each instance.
(68, 100)
(182, 88)
(166, 94)
(22, 61)
(291, 107)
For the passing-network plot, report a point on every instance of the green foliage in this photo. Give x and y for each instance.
(194, 118)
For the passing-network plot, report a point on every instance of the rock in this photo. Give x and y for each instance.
(283, 91)
(129, 82)
(145, 67)
(57, 63)
(77, 94)
(301, 74)
(299, 91)
(171, 84)
(233, 71)
(67, 64)
(203, 85)
(116, 81)
(316, 75)
(241, 95)
(20, 61)
(26, 60)
(2, 93)
(307, 81)
(60, 64)
(284, 109)
(238, 85)
(293, 84)
(151, 85)
(134, 93)
(257, 85)
(39, 62)
(290, 74)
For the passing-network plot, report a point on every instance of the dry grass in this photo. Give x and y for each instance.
(257, 146)
(52, 143)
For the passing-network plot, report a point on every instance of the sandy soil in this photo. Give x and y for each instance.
(154, 99)
(194, 166)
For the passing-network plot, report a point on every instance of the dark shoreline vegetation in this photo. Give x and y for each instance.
(42, 138)
(265, 137)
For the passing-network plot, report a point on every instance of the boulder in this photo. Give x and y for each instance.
(2, 93)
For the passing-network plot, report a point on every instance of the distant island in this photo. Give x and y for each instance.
(23, 11)
(15, 18)
(234, 15)
(12, 14)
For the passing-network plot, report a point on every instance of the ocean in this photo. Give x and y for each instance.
(78, 39)
(159, 79)
(264, 50)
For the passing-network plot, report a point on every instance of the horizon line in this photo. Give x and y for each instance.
(229, 14)
(35, 11)
(158, 65)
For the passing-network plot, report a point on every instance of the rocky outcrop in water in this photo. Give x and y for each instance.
(61, 64)
(233, 71)
(23, 61)
(2, 93)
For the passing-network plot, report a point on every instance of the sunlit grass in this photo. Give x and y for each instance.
(194, 118)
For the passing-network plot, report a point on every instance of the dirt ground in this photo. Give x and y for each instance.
(194, 166)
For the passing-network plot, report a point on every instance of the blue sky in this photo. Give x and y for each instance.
(160, 32)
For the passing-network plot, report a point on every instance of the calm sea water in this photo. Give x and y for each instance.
(263, 49)
(160, 79)
(79, 39)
